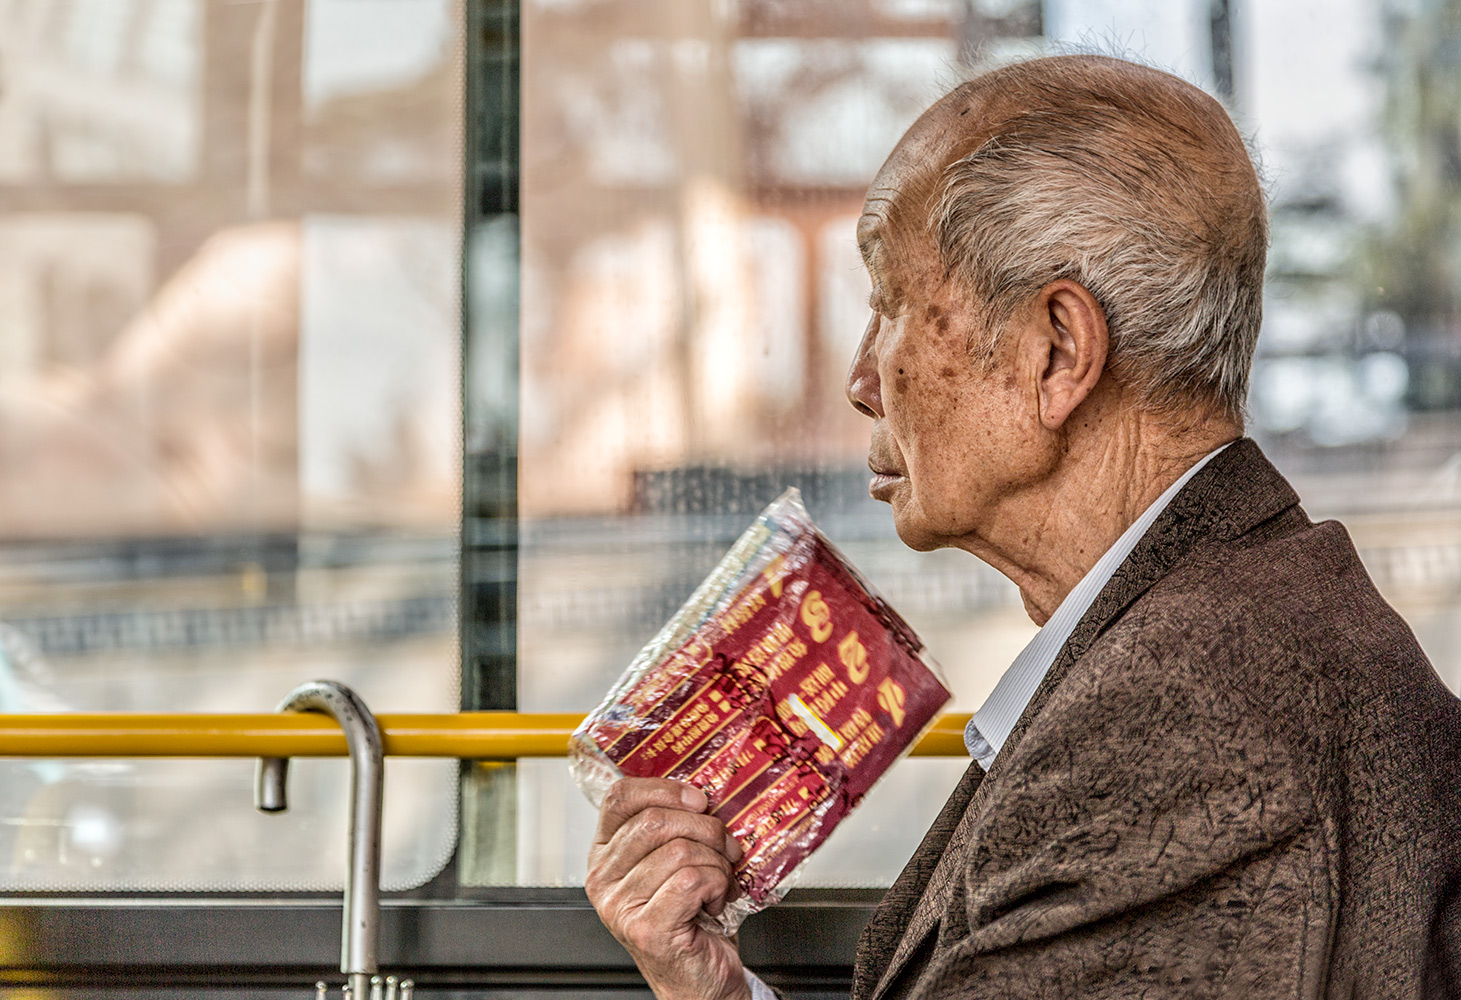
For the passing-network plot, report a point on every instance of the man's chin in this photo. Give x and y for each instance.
(912, 530)
(917, 538)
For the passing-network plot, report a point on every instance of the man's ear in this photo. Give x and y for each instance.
(1072, 325)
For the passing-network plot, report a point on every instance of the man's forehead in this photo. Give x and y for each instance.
(900, 191)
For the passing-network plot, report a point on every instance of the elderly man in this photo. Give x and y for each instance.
(1223, 767)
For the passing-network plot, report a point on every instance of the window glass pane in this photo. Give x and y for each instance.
(692, 293)
(229, 415)
(1354, 388)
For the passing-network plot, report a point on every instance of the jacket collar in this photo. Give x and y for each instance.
(1236, 492)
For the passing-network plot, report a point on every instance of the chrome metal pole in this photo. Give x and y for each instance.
(360, 935)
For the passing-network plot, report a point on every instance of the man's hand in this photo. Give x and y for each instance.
(656, 861)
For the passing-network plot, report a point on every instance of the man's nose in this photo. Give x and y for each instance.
(864, 391)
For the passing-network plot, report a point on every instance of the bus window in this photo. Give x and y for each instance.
(351, 338)
(691, 295)
(229, 319)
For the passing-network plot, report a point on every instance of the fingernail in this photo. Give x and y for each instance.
(693, 798)
(733, 848)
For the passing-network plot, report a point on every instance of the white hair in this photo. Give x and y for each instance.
(1120, 200)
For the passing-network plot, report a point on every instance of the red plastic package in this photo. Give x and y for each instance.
(783, 689)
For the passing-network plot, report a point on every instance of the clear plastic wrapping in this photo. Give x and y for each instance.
(783, 688)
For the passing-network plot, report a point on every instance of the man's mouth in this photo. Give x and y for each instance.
(883, 480)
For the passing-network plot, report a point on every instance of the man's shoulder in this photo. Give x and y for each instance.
(1298, 589)
(1285, 624)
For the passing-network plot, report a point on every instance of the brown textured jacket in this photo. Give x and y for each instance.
(1240, 778)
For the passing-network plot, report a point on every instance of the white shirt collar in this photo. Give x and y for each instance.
(991, 725)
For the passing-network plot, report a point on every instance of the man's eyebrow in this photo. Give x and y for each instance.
(870, 245)
(869, 226)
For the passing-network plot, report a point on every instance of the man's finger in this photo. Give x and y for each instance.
(685, 893)
(651, 829)
(661, 865)
(629, 796)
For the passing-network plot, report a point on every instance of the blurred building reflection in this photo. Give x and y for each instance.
(229, 433)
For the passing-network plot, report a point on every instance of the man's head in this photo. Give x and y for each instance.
(1075, 235)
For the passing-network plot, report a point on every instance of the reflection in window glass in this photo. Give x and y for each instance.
(688, 315)
(101, 91)
(692, 293)
(229, 418)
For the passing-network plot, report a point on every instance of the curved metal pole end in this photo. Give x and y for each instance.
(271, 785)
(360, 934)
(271, 778)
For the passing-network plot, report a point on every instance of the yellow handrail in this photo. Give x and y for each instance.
(471, 735)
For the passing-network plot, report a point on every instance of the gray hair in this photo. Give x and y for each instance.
(1167, 234)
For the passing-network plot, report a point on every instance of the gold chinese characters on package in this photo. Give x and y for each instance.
(783, 689)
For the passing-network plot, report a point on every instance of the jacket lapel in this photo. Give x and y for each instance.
(891, 918)
(923, 917)
(1237, 491)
